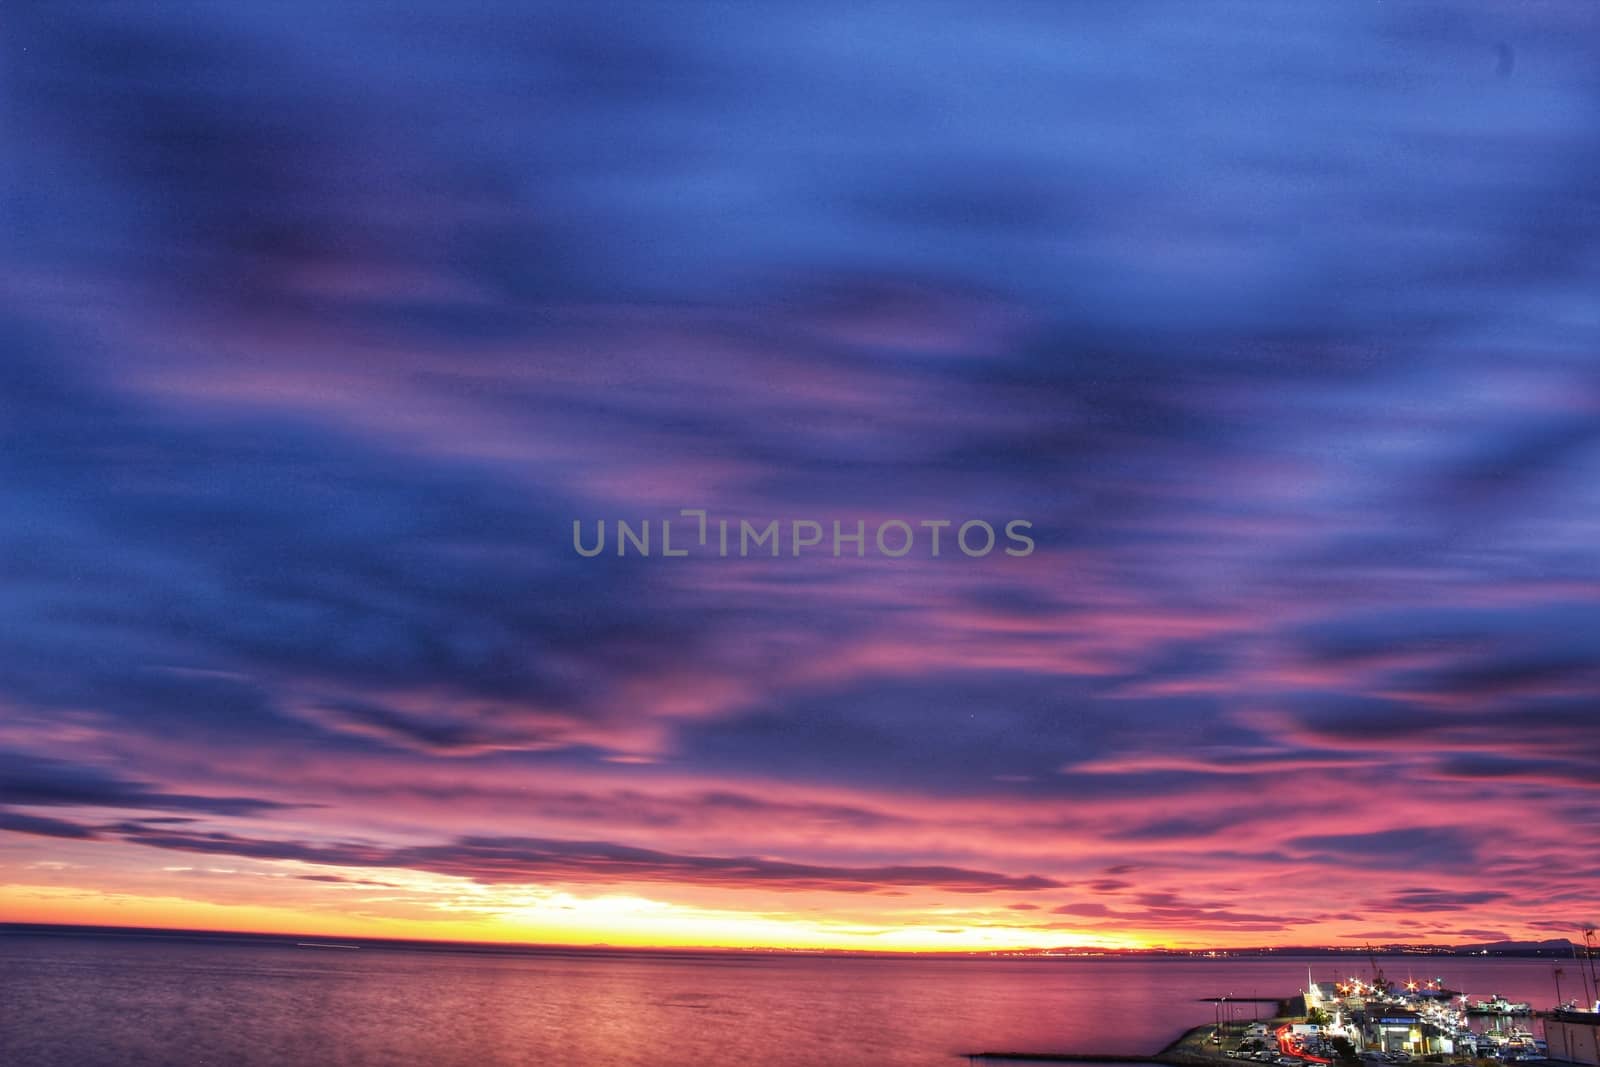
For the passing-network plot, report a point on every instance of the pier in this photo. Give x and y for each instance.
(1187, 1051)
(1054, 1057)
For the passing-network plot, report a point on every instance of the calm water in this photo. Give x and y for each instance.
(81, 1001)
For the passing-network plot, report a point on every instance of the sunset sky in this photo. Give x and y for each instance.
(322, 323)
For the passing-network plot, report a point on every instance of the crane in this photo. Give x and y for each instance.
(1378, 980)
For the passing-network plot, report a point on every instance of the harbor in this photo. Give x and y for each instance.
(1371, 1023)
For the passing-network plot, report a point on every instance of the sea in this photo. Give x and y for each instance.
(130, 1001)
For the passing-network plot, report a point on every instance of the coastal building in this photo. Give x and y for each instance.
(1324, 996)
(1391, 1029)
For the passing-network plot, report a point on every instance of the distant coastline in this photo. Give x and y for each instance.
(1559, 948)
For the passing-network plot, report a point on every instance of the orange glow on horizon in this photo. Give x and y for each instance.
(612, 922)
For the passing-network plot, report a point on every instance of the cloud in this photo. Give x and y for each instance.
(43, 826)
(1278, 335)
(1428, 900)
(1401, 848)
(28, 780)
(529, 860)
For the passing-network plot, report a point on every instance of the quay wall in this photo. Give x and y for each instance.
(1573, 1041)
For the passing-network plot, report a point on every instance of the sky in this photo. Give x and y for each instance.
(321, 324)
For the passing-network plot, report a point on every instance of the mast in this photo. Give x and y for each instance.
(1588, 951)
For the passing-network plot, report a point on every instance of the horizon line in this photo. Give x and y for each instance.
(1504, 948)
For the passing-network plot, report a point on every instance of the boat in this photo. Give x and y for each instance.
(1498, 1005)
